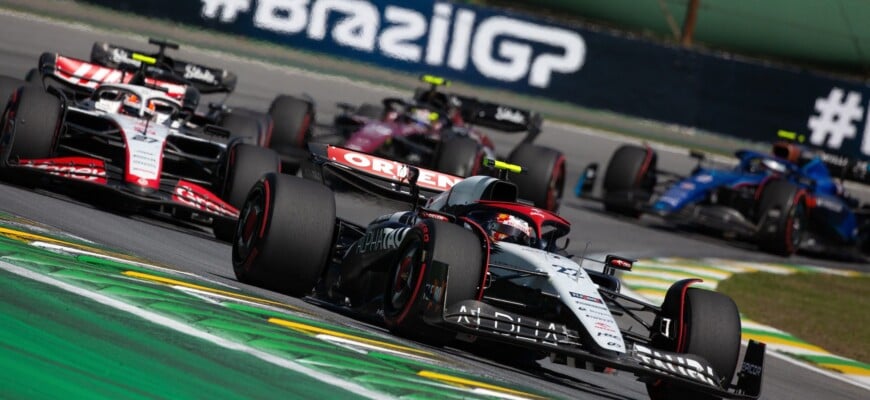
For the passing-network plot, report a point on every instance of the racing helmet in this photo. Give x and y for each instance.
(786, 151)
(508, 228)
(132, 103)
(423, 116)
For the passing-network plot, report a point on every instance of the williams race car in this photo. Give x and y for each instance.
(438, 131)
(783, 201)
(468, 261)
(131, 139)
(286, 127)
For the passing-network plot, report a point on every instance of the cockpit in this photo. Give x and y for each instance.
(141, 104)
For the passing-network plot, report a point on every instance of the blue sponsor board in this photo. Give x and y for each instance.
(592, 68)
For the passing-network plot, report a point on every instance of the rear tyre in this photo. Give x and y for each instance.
(284, 236)
(544, 182)
(33, 77)
(246, 164)
(460, 156)
(32, 124)
(782, 217)
(712, 331)
(7, 86)
(292, 118)
(245, 126)
(428, 243)
(629, 180)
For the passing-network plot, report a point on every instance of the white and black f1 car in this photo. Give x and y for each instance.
(132, 140)
(473, 260)
(286, 127)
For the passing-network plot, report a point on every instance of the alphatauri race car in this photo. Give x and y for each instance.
(132, 140)
(470, 262)
(286, 127)
(440, 131)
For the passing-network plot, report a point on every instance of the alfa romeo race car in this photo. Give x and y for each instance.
(132, 140)
(286, 127)
(438, 131)
(783, 201)
(470, 262)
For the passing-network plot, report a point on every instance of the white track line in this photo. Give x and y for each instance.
(191, 331)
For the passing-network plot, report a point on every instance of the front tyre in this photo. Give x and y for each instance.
(283, 239)
(782, 217)
(711, 329)
(412, 283)
(31, 125)
(629, 180)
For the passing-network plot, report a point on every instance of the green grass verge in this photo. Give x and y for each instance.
(826, 310)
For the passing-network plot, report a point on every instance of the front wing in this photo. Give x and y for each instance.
(485, 320)
(95, 173)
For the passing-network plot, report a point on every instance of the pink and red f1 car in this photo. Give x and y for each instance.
(469, 258)
(439, 131)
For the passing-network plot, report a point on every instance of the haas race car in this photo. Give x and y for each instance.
(133, 140)
(468, 261)
(438, 130)
(286, 127)
(785, 201)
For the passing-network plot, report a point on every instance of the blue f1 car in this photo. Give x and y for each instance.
(784, 201)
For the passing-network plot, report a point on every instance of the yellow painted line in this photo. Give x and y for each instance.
(776, 340)
(847, 369)
(173, 282)
(472, 383)
(28, 237)
(317, 330)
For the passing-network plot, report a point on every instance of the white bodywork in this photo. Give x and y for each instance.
(144, 131)
(571, 283)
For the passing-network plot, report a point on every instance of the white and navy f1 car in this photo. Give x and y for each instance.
(468, 259)
(132, 140)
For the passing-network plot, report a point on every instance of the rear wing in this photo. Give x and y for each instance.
(81, 77)
(500, 117)
(380, 176)
(206, 79)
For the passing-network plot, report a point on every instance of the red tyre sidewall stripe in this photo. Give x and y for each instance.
(645, 166)
(681, 336)
(558, 169)
(267, 211)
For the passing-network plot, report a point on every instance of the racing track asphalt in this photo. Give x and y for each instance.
(26, 38)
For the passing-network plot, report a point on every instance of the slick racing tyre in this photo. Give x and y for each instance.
(629, 180)
(284, 235)
(31, 125)
(460, 156)
(711, 329)
(250, 127)
(8, 85)
(543, 179)
(782, 217)
(246, 164)
(412, 284)
(292, 120)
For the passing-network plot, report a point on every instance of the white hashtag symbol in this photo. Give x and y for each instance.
(835, 118)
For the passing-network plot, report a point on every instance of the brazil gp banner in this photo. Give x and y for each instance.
(580, 65)
(457, 41)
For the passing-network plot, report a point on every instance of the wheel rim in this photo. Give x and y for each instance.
(246, 230)
(405, 276)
